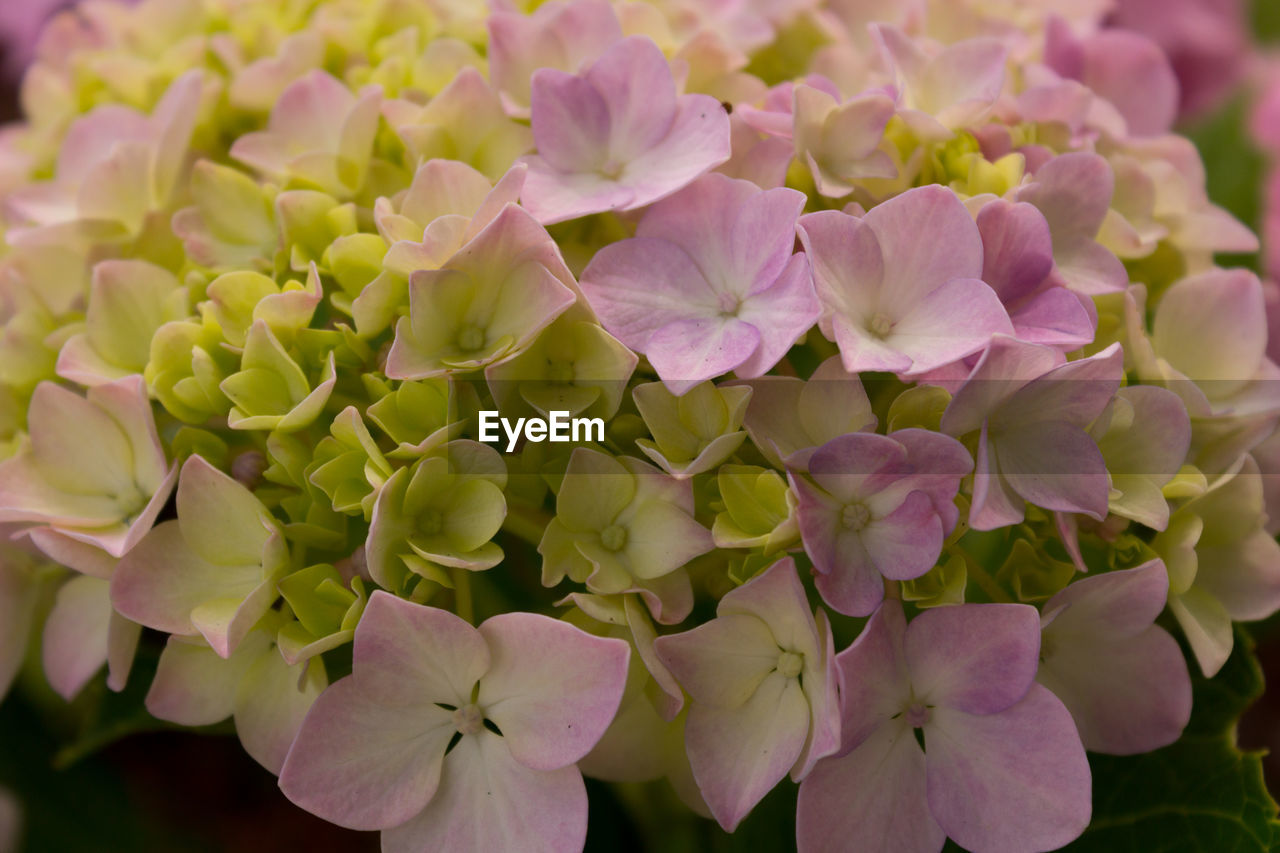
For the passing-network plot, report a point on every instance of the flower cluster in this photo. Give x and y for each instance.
(922, 398)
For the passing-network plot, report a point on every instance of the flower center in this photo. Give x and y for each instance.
(855, 516)
(430, 522)
(729, 304)
(917, 715)
(790, 664)
(468, 719)
(470, 338)
(560, 373)
(880, 325)
(613, 537)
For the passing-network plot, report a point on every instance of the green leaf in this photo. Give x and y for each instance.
(1201, 793)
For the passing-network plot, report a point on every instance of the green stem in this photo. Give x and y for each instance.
(527, 523)
(462, 594)
(993, 590)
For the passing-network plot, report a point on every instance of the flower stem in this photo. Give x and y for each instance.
(527, 523)
(462, 594)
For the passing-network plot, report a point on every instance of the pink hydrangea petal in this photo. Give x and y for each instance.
(1017, 248)
(194, 686)
(1056, 317)
(75, 635)
(162, 580)
(976, 658)
(635, 81)
(856, 466)
(905, 543)
(571, 121)
(1123, 679)
(869, 798)
(994, 503)
(853, 586)
(739, 754)
(271, 701)
(837, 245)
(697, 141)
(1015, 780)
(926, 238)
(777, 597)
(874, 685)
(1055, 465)
(550, 715)
(673, 287)
(406, 653)
(782, 313)
(721, 663)
(1133, 73)
(955, 320)
(363, 763)
(487, 800)
(1005, 366)
(687, 352)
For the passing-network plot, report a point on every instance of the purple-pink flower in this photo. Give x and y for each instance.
(618, 136)
(762, 680)
(377, 750)
(901, 287)
(998, 765)
(709, 284)
(1031, 408)
(875, 507)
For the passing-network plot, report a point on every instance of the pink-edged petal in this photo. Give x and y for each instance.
(162, 580)
(687, 352)
(874, 685)
(994, 503)
(698, 141)
(489, 801)
(75, 635)
(72, 553)
(1017, 248)
(1076, 392)
(848, 265)
(1127, 696)
(271, 701)
(739, 754)
(553, 196)
(1124, 602)
(721, 663)
(926, 238)
(782, 314)
(821, 681)
(194, 686)
(638, 286)
(953, 321)
(872, 798)
(363, 763)
(1005, 366)
(407, 653)
(634, 79)
(1056, 317)
(1017, 780)
(853, 587)
(777, 598)
(1055, 465)
(975, 658)
(570, 121)
(550, 715)
(905, 543)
